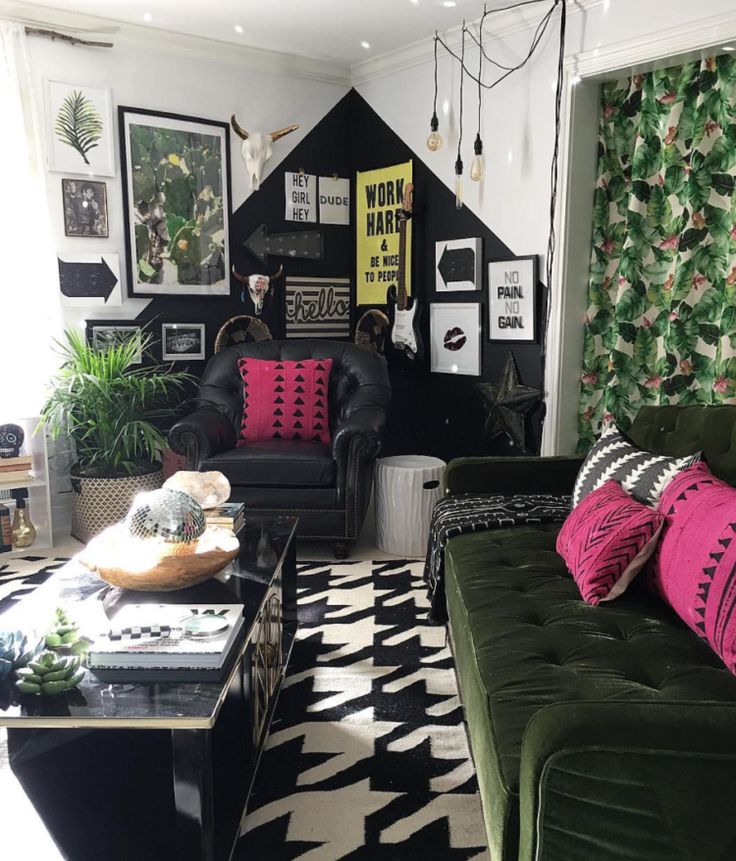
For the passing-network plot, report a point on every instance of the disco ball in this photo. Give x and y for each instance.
(171, 517)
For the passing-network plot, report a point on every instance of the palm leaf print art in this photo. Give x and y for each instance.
(78, 124)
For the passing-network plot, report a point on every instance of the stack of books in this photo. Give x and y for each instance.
(15, 469)
(168, 642)
(231, 515)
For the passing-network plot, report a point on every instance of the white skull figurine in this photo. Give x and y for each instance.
(258, 287)
(256, 149)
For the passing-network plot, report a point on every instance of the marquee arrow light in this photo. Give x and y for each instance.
(79, 280)
(304, 244)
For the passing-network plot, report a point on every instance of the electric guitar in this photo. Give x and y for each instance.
(403, 309)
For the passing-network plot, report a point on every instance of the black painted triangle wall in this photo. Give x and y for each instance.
(436, 414)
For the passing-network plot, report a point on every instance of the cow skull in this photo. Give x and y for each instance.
(256, 149)
(258, 285)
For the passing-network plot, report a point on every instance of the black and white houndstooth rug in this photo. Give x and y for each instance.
(367, 758)
(21, 573)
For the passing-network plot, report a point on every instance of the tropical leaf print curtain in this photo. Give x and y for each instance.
(661, 321)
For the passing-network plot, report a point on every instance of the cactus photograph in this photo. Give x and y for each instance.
(176, 180)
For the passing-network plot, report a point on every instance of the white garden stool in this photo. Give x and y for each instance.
(406, 489)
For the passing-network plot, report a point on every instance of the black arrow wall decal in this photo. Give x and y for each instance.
(457, 264)
(79, 280)
(305, 244)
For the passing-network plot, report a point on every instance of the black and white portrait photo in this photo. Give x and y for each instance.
(85, 207)
(182, 341)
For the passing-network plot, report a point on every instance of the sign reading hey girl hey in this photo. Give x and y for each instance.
(512, 287)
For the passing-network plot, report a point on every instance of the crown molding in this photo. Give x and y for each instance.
(504, 25)
(668, 44)
(180, 43)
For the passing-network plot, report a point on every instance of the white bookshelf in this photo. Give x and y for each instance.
(39, 491)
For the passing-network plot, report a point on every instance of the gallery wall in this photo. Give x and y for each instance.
(517, 125)
(176, 81)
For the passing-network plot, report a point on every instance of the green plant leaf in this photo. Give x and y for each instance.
(78, 124)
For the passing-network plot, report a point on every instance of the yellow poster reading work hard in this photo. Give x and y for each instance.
(379, 196)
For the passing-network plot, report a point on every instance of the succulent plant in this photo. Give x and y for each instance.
(49, 674)
(16, 650)
(63, 632)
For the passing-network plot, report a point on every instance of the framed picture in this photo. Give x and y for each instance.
(455, 338)
(85, 207)
(458, 264)
(176, 202)
(317, 307)
(80, 130)
(90, 279)
(182, 341)
(106, 333)
(512, 290)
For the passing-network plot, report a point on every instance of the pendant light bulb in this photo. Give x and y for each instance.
(476, 166)
(459, 183)
(434, 141)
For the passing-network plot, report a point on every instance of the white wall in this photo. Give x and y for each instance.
(174, 81)
(518, 124)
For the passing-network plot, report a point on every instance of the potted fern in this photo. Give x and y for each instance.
(109, 408)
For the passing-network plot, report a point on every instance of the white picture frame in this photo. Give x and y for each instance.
(455, 338)
(69, 150)
(458, 265)
(90, 280)
(512, 291)
(182, 341)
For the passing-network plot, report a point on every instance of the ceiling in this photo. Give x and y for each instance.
(329, 30)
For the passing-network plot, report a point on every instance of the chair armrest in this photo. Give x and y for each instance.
(512, 474)
(366, 422)
(611, 779)
(202, 434)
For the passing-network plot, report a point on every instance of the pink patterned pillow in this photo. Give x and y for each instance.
(285, 400)
(695, 567)
(606, 540)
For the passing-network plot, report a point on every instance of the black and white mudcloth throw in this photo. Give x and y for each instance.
(470, 512)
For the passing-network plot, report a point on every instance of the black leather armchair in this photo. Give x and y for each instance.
(327, 486)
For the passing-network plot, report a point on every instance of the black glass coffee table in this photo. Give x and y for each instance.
(182, 786)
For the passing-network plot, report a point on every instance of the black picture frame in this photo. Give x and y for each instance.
(82, 211)
(198, 334)
(220, 288)
(530, 263)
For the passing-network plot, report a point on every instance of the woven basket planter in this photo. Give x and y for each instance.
(99, 502)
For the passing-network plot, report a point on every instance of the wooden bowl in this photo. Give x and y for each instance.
(155, 573)
(172, 572)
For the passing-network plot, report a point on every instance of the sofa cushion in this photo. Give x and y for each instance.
(523, 640)
(695, 566)
(641, 473)
(281, 463)
(606, 540)
(285, 400)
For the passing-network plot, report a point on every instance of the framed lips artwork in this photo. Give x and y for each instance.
(455, 335)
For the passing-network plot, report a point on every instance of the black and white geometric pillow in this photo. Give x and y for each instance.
(642, 474)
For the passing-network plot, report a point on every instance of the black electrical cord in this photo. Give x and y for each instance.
(434, 104)
(554, 167)
(462, 80)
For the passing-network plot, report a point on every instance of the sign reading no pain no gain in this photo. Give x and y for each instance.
(512, 286)
(379, 197)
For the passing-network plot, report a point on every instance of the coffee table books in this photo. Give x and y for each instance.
(167, 636)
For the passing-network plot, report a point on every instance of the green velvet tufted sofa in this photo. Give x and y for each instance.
(598, 733)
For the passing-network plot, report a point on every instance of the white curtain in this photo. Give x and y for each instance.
(29, 296)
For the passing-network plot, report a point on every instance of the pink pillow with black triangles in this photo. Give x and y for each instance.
(694, 569)
(285, 400)
(606, 540)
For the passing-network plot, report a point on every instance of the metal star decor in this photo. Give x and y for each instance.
(507, 404)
